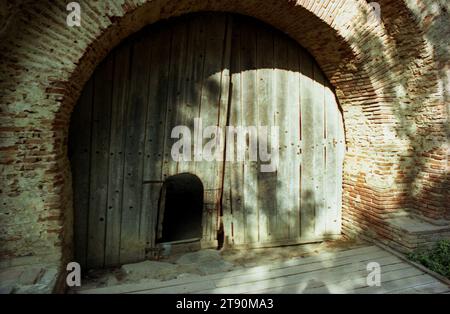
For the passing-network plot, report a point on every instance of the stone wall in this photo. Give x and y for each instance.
(391, 79)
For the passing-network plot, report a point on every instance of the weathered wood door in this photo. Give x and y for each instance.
(275, 82)
(225, 70)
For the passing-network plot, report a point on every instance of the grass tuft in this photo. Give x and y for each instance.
(436, 258)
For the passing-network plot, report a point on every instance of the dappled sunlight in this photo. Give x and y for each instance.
(344, 270)
(334, 115)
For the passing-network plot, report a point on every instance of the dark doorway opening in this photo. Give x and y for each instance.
(181, 208)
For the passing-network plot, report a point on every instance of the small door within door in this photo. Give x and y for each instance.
(180, 210)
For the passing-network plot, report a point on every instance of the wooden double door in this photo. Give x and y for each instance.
(226, 70)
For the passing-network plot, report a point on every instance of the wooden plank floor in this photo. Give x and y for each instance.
(328, 272)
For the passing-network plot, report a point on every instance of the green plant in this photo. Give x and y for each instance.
(436, 258)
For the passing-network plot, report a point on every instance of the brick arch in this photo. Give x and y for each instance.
(45, 65)
(321, 33)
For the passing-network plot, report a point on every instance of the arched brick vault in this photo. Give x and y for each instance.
(390, 79)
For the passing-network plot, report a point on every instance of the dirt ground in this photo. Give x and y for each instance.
(256, 257)
(206, 262)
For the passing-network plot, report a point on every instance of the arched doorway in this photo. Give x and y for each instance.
(227, 71)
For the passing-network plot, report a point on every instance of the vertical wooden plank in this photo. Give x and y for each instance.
(235, 169)
(331, 118)
(270, 224)
(99, 161)
(131, 246)
(284, 173)
(222, 122)
(293, 149)
(227, 212)
(150, 200)
(319, 153)
(175, 95)
(208, 171)
(116, 154)
(147, 203)
(249, 103)
(223, 54)
(192, 86)
(80, 142)
(157, 104)
(307, 130)
(154, 138)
